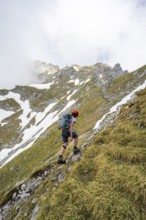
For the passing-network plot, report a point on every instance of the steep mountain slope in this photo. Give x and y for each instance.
(109, 181)
(34, 108)
(97, 186)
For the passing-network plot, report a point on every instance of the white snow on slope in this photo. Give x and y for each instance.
(122, 102)
(5, 114)
(23, 104)
(4, 153)
(40, 115)
(76, 81)
(33, 132)
(30, 135)
(68, 98)
(41, 86)
(87, 80)
(69, 104)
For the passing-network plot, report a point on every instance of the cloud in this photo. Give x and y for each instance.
(65, 32)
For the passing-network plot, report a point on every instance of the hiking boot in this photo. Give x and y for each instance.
(76, 150)
(61, 160)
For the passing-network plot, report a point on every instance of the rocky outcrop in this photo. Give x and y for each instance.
(42, 67)
(9, 105)
(4, 92)
(25, 189)
(118, 71)
(66, 73)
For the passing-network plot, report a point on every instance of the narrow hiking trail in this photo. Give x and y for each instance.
(52, 172)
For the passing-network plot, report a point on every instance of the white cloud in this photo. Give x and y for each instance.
(70, 31)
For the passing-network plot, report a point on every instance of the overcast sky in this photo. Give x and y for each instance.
(66, 32)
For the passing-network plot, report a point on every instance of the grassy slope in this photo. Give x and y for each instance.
(110, 181)
(28, 162)
(9, 132)
(122, 83)
(101, 186)
(34, 158)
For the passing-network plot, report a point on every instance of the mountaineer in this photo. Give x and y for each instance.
(67, 126)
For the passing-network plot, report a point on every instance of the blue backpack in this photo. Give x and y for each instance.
(64, 122)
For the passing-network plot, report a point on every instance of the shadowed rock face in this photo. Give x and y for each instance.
(9, 105)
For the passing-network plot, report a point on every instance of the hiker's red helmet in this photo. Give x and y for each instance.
(75, 112)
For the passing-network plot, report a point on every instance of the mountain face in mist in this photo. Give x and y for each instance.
(30, 141)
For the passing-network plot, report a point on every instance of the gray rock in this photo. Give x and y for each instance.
(84, 145)
(30, 188)
(34, 200)
(70, 169)
(61, 177)
(14, 195)
(24, 195)
(18, 207)
(54, 188)
(34, 212)
(23, 186)
(32, 184)
(75, 158)
(70, 155)
(46, 173)
(133, 97)
(25, 214)
(143, 74)
(4, 211)
(4, 92)
(19, 183)
(37, 183)
(54, 179)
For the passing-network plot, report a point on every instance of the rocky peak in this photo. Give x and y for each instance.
(42, 67)
(76, 67)
(117, 71)
(67, 72)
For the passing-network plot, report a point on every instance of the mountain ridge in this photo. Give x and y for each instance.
(92, 97)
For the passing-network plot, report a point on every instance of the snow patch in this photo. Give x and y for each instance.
(5, 114)
(87, 80)
(76, 81)
(41, 115)
(122, 102)
(76, 68)
(4, 153)
(69, 104)
(81, 82)
(62, 97)
(68, 98)
(41, 86)
(70, 81)
(30, 135)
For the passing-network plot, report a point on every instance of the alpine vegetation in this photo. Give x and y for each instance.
(93, 167)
